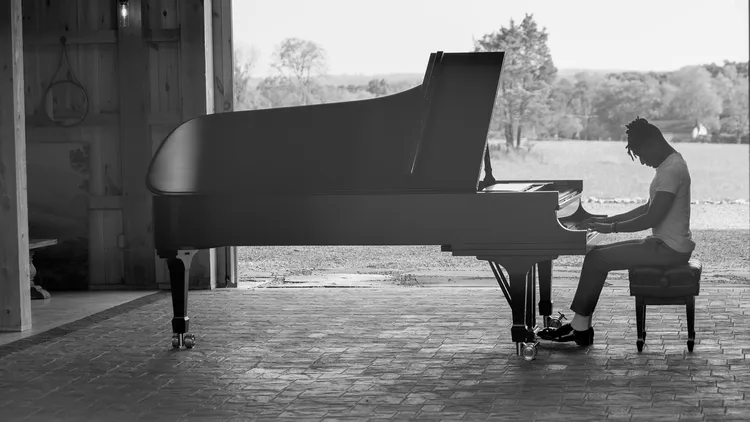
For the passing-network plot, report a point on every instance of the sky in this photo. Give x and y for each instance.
(396, 36)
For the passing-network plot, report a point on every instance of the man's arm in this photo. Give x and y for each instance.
(655, 214)
(635, 212)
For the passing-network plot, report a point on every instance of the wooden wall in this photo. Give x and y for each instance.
(141, 82)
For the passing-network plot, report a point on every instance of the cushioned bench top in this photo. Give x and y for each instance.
(671, 281)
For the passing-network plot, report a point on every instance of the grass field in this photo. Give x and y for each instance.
(718, 171)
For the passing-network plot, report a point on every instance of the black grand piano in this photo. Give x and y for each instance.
(402, 169)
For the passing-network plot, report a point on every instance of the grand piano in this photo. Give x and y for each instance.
(402, 169)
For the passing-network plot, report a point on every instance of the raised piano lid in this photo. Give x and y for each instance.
(430, 138)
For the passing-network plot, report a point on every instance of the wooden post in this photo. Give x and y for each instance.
(223, 61)
(197, 86)
(135, 150)
(15, 296)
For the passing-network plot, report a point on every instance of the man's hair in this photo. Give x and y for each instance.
(639, 131)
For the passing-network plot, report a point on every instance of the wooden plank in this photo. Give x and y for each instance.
(196, 86)
(163, 14)
(91, 120)
(113, 248)
(223, 58)
(135, 148)
(224, 264)
(104, 202)
(165, 118)
(15, 294)
(208, 54)
(104, 36)
(69, 135)
(41, 243)
(163, 35)
(195, 66)
(30, 58)
(96, 216)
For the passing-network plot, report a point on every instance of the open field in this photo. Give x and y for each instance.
(722, 232)
(718, 171)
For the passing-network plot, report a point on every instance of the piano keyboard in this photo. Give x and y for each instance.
(577, 225)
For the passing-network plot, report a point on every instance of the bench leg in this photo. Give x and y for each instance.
(690, 309)
(640, 322)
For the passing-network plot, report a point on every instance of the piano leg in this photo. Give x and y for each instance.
(521, 295)
(545, 291)
(531, 298)
(179, 279)
(522, 331)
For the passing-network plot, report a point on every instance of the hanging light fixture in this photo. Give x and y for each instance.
(123, 13)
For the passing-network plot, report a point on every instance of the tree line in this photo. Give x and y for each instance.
(533, 100)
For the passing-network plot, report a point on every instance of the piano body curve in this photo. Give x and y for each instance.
(401, 169)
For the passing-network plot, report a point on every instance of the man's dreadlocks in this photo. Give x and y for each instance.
(640, 131)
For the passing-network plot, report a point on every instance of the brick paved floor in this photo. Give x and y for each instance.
(377, 354)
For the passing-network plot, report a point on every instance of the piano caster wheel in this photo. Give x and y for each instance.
(690, 344)
(529, 351)
(556, 322)
(188, 340)
(639, 344)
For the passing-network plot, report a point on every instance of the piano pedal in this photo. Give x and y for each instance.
(554, 322)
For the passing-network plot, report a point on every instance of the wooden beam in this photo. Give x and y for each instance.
(135, 150)
(71, 38)
(223, 61)
(223, 56)
(196, 84)
(15, 296)
(196, 58)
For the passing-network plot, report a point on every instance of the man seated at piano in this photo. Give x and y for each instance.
(667, 214)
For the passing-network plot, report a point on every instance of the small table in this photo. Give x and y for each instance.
(37, 292)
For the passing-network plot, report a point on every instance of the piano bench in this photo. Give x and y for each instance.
(671, 285)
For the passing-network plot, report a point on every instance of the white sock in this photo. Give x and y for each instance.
(580, 322)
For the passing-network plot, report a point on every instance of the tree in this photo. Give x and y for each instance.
(733, 89)
(619, 101)
(245, 96)
(278, 91)
(378, 87)
(561, 119)
(585, 93)
(696, 98)
(299, 62)
(527, 73)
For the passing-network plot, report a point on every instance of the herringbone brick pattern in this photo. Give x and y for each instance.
(382, 354)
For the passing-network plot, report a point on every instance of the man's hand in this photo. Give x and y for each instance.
(601, 227)
(587, 223)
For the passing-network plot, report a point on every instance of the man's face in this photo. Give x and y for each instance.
(647, 154)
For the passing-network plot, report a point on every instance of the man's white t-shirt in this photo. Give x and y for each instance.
(673, 176)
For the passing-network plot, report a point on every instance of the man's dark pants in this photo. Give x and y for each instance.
(619, 256)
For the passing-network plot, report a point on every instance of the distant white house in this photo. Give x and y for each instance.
(681, 130)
